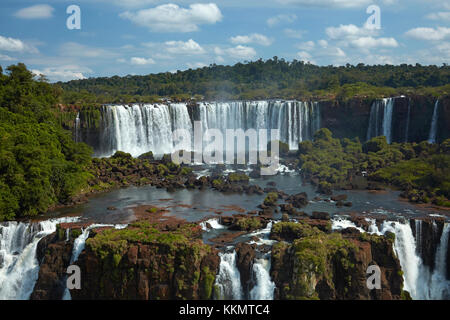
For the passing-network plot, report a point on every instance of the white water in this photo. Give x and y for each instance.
(213, 223)
(419, 281)
(141, 128)
(380, 121)
(434, 120)
(440, 286)
(263, 235)
(264, 287)
(19, 268)
(228, 281)
(405, 248)
(340, 223)
(77, 128)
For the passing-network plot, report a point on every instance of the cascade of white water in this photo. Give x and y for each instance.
(387, 118)
(380, 120)
(77, 128)
(264, 286)
(418, 224)
(19, 268)
(405, 248)
(228, 281)
(418, 280)
(440, 285)
(434, 121)
(141, 128)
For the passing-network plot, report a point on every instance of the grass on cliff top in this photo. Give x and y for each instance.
(116, 241)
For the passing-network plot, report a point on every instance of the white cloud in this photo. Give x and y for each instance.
(328, 3)
(4, 57)
(295, 34)
(349, 31)
(189, 47)
(172, 18)
(308, 45)
(131, 3)
(141, 61)
(196, 65)
(63, 73)
(252, 38)
(431, 34)
(74, 49)
(443, 15)
(305, 56)
(281, 18)
(241, 52)
(15, 45)
(370, 42)
(39, 11)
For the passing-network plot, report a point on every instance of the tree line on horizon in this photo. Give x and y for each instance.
(262, 79)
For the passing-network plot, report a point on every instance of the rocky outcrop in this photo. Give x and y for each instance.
(318, 265)
(145, 263)
(53, 254)
(245, 254)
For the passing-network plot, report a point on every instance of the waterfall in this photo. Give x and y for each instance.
(77, 128)
(434, 124)
(297, 121)
(19, 268)
(228, 281)
(138, 129)
(408, 119)
(141, 128)
(405, 248)
(440, 288)
(380, 120)
(264, 287)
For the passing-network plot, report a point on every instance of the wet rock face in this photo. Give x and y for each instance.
(348, 119)
(245, 254)
(148, 272)
(298, 200)
(317, 265)
(53, 254)
(427, 233)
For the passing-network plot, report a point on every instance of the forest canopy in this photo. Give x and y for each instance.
(273, 78)
(40, 165)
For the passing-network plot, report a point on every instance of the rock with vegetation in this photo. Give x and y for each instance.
(146, 262)
(329, 266)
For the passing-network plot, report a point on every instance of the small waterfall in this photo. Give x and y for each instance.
(440, 285)
(408, 119)
(77, 128)
(79, 245)
(228, 281)
(141, 128)
(380, 121)
(434, 123)
(264, 286)
(19, 268)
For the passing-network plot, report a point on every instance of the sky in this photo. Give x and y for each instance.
(128, 37)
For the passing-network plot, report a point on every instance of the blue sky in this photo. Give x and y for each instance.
(121, 37)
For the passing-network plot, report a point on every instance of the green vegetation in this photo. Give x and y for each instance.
(273, 78)
(238, 177)
(249, 224)
(113, 241)
(422, 170)
(40, 165)
(271, 199)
